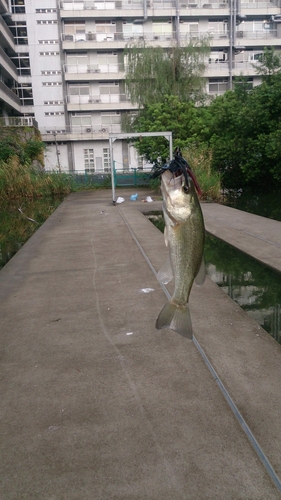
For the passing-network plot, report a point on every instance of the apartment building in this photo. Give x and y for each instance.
(62, 64)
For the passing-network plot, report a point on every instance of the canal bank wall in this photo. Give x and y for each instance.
(96, 403)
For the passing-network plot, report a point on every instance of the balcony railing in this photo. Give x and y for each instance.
(18, 121)
(96, 99)
(148, 37)
(83, 129)
(257, 5)
(256, 35)
(93, 68)
(110, 5)
(156, 5)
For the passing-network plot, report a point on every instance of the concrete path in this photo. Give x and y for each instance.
(98, 405)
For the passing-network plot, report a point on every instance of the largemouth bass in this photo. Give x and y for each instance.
(184, 235)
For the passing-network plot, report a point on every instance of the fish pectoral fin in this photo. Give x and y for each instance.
(166, 237)
(165, 274)
(200, 276)
(176, 318)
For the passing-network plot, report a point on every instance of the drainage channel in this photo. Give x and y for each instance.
(263, 458)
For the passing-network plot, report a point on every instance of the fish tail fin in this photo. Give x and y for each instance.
(176, 318)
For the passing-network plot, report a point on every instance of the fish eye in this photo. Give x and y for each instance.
(185, 189)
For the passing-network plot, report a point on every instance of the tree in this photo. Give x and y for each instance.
(243, 130)
(169, 115)
(153, 72)
(269, 63)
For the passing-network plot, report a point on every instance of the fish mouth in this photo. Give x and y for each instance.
(172, 182)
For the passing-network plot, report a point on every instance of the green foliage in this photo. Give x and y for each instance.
(26, 149)
(243, 130)
(18, 181)
(153, 72)
(199, 159)
(169, 115)
(269, 62)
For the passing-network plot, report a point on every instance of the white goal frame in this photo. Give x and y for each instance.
(114, 137)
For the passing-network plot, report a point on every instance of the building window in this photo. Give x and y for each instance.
(105, 30)
(24, 91)
(162, 29)
(218, 86)
(74, 31)
(19, 31)
(51, 72)
(45, 11)
(54, 21)
(77, 63)
(48, 53)
(51, 84)
(89, 161)
(18, 6)
(81, 123)
(110, 119)
(21, 61)
(54, 113)
(48, 42)
(53, 103)
(106, 159)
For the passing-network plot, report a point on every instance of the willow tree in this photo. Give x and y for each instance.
(155, 72)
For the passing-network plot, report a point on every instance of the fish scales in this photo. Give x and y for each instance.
(184, 236)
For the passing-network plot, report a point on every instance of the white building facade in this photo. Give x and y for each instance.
(62, 64)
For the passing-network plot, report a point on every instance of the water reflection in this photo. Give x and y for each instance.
(16, 226)
(264, 204)
(251, 284)
(254, 286)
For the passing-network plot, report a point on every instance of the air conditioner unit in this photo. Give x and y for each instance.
(88, 129)
(104, 130)
(96, 100)
(90, 99)
(240, 34)
(96, 70)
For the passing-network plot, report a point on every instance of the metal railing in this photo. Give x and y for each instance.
(93, 68)
(18, 121)
(146, 36)
(83, 129)
(122, 178)
(96, 99)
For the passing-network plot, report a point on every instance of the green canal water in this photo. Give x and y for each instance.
(266, 204)
(251, 284)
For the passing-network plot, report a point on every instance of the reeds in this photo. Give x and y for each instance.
(19, 180)
(200, 161)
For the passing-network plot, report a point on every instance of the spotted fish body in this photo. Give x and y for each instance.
(184, 236)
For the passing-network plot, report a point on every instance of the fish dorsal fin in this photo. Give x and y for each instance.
(200, 277)
(165, 274)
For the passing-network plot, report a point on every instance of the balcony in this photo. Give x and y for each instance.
(94, 72)
(9, 97)
(98, 41)
(18, 121)
(4, 6)
(80, 132)
(100, 102)
(6, 37)
(7, 65)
